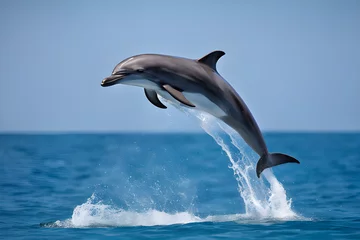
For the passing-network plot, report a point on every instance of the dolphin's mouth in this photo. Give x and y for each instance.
(112, 80)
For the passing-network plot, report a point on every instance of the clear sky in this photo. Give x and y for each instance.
(295, 63)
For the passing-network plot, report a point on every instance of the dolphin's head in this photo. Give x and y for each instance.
(126, 71)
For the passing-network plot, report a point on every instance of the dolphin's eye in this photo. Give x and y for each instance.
(140, 70)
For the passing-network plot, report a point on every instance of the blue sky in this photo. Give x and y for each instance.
(295, 63)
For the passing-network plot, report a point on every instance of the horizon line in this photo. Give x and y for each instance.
(89, 132)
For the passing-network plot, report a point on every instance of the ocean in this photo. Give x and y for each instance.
(178, 186)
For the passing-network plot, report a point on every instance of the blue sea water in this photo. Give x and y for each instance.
(178, 186)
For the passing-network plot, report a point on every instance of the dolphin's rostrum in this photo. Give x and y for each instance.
(196, 84)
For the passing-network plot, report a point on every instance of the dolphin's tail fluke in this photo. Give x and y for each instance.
(271, 160)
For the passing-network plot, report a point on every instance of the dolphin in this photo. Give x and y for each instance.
(196, 83)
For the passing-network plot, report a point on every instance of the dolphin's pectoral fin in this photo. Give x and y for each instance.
(211, 59)
(177, 95)
(151, 95)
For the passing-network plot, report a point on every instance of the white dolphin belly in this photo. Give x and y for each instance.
(200, 101)
(141, 83)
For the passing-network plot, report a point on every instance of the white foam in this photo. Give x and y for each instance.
(261, 201)
(97, 214)
(265, 201)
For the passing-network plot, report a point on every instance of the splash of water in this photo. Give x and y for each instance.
(94, 213)
(261, 200)
(264, 200)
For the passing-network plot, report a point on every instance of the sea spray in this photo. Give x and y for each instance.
(94, 213)
(264, 200)
(261, 200)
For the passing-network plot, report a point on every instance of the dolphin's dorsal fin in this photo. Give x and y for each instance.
(211, 59)
(151, 95)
